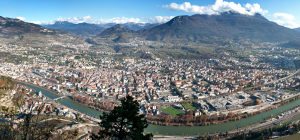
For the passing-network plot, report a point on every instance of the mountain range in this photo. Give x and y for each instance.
(11, 27)
(83, 29)
(297, 29)
(196, 28)
(139, 26)
(19, 32)
(227, 25)
(212, 28)
(117, 29)
(131, 25)
(90, 30)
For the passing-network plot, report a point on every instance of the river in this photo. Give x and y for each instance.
(176, 130)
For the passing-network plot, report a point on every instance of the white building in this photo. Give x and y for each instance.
(172, 99)
(40, 94)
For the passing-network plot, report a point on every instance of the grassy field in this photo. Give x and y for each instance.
(172, 111)
(291, 137)
(205, 82)
(189, 106)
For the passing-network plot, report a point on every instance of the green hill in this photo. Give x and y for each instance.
(115, 30)
(121, 39)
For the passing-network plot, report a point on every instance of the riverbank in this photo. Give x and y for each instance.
(219, 119)
(54, 92)
(181, 130)
(98, 109)
(190, 124)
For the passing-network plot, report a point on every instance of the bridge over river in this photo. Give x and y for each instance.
(59, 98)
(176, 130)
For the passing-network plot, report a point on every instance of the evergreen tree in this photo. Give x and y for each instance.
(123, 122)
(296, 128)
(244, 136)
(261, 134)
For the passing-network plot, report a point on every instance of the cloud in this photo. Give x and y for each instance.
(158, 19)
(218, 7)
(286, 20)
(283, 16)
(21, 18)
(43, 22)
(89, 19)
(288, 24)
(117, 20)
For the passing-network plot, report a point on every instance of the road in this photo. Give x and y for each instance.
(259, 127)
(269, 124)
(162, 137)
(276, 123)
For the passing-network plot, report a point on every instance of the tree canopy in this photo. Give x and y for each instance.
(258, 101)
(77, 57)
(123, 122)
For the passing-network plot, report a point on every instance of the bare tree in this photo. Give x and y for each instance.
(31, 128)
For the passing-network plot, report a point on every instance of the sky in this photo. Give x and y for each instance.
(285, 13)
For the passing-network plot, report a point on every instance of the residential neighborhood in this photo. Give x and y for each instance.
(211, 86)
